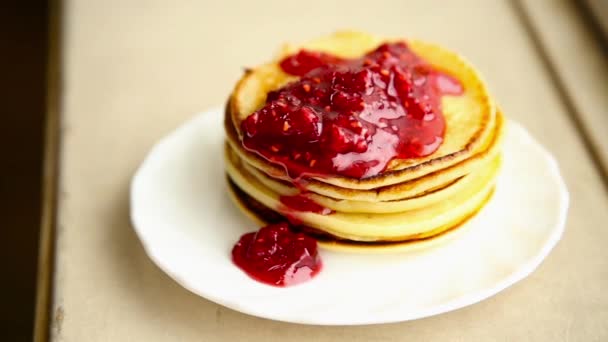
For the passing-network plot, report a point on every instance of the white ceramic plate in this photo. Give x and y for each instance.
(187, 224)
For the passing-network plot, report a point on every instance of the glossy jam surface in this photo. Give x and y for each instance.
(302, 203)
(277, 256)
(351, 117)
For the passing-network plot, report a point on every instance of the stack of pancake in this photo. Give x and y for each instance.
(413, 202)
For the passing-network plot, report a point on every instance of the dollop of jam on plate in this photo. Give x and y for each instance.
(351, 117)
(277, 256)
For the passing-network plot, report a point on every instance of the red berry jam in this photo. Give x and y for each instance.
(277, 256)
(302, 203)
(351, 117)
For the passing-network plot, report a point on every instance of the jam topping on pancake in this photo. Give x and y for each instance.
(351, 117)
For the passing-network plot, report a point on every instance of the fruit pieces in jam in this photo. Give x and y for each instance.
(351, 117)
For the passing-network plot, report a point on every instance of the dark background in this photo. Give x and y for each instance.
(23, 56)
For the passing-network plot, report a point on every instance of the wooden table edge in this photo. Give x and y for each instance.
(50, 171)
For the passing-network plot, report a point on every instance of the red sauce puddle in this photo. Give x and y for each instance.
(277, 256)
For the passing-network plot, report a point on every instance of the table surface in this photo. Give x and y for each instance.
(132, 71)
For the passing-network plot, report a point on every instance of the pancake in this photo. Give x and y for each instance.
(357, 226)
(470, 118)
(392, 192)
(426, 198)
(349, 205)
(411, 203)
(264, 216)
